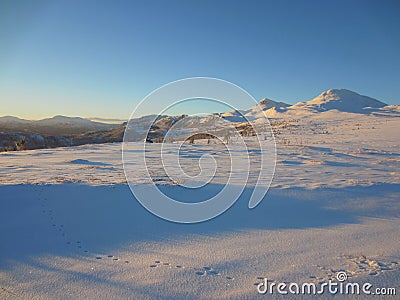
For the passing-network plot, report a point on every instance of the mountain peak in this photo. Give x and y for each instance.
(268, 103)
(11, 119)
(266, 100)
(340, 93)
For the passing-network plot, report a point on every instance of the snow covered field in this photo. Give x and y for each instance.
(70, 227)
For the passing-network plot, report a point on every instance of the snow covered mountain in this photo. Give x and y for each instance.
(266, 105)
(255, 111)
(341, 100)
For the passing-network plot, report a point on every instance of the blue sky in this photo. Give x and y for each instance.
(100, 58)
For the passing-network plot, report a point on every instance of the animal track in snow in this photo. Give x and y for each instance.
(358, 265)
(199, 271)
(60, 229)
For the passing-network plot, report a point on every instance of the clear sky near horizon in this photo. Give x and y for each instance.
(100, 58)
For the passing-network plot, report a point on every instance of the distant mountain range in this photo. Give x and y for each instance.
(340, 100)
(58, 125)
(59, 131)
(20, 134)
